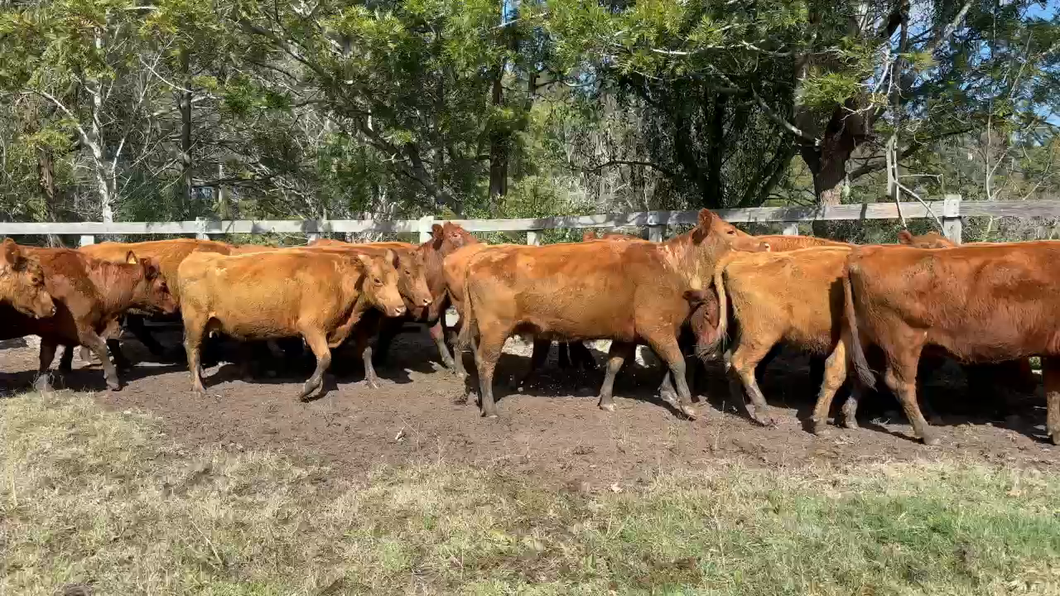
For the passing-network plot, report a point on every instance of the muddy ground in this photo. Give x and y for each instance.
(550, 428)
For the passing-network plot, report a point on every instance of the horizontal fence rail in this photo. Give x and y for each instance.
(948, 212)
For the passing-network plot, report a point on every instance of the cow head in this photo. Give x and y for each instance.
(714, 236)
(380, 285)
(929, 240)
(150, 292)
(447, 238)
(22, 282)
(412, 283)
(703, 319)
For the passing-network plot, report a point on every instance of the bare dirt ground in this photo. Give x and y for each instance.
(551, 428)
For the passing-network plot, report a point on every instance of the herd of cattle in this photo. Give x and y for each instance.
(715, 289)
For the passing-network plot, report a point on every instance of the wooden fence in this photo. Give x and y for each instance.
(947, 212)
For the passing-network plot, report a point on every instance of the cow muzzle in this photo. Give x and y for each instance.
(397, 311)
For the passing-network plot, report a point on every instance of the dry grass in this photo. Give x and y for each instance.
(104, 501)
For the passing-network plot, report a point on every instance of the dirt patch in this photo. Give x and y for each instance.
(551, 427)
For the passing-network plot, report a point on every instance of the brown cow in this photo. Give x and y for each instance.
(793, 297)
(412, 286)
(318, 295)
(783, 243)
(986, 303)
(168, 254)
(22, 282)
(90, 296)
(982, 378)
(628, 292)
(445, 239)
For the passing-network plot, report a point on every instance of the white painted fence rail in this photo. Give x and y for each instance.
(948, 211)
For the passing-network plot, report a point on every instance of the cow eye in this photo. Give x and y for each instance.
(378, 282)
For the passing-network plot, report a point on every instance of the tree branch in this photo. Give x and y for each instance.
(632, 162)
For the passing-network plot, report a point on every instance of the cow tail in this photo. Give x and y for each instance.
(861, 365)
(720, 334)
(465, 339)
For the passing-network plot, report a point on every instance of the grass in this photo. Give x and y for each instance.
(105, 502)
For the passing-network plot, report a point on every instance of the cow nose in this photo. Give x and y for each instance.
(400, 310)
(426, 301)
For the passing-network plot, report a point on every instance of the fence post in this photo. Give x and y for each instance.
(87, 239)
(425, 228)
(201, 224)
(791, 229)
(532, 239)
(656, 233)
(951, 218)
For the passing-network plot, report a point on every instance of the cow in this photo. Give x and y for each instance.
(90, 297)
(22, 282)
(412, 287)
(318, 295)
(793, 297)
(987, 303)
(445, 239)
(784, 243)
(168, 254)
(628, 292)
(982, 378)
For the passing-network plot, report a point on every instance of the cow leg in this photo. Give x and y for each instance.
(66, 361)
(744, 362)
(194, 330)
(538, 356)
(850, 407)
(135, 325)
(900, 377)
(458, 354)
(99, 347)
(120, 360)
(487, 352)
(318, 343)
(86, 354)
(834, 374)
(47, 354)
(563, 354)
(437, 331)
(581, 356)
(616, 357)
(362, 346)
(388, 330)
(1051, 378)
(667, 349)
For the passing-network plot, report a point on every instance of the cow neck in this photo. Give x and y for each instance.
(686, 260)
(114, 283)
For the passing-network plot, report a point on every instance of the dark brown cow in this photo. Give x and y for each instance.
(318, 295)
(793, 297)
(90, 296)
(982, 378)
(987, 303)
(628, 292)
(168, 254)
(22, 282)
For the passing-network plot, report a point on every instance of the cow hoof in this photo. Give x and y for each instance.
(372, 383)
(930, 440)
(688, 411)
(851, 424)
(820, 428)
(607, 407)
(43, 384)
(492, 415)
(113, 385)
(1056, 438)
(448, 363)
(762, 418)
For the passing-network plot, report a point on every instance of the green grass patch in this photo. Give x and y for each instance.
(106, 501)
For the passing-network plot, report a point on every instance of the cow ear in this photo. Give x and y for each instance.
(437, 231)
(588, 235)
(365, 260)
(391, 257)
(130, 258)
(150, 271)
(696, 297)
(706, 218)
(11, 253)
(905, 237)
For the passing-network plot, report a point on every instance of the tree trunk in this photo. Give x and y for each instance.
(827, 161)
(184, 99)
(46, 181)
(498, 144)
